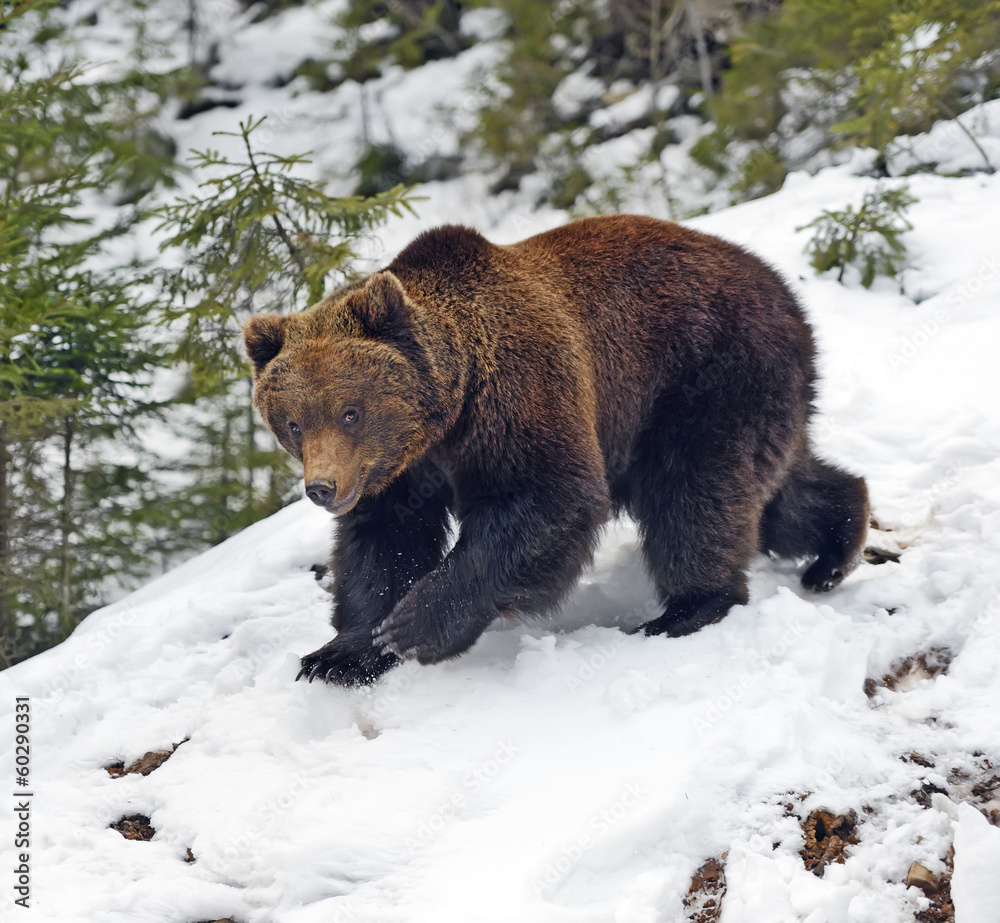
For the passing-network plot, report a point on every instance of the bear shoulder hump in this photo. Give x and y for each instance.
(448, 246)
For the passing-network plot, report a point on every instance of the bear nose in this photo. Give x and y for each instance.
(321, 492)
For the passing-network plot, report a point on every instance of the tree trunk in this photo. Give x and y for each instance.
(66, 621)
(7, 649)
(251, 445)
(704, 63)
(224, 519)
(655, 46)
(191, 25)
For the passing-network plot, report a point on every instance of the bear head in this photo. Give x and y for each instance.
(349, 388)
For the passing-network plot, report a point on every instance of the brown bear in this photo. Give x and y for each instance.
(531, 391)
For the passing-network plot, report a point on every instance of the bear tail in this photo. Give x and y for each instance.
(820, 512)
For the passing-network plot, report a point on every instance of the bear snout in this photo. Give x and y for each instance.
(321, 492)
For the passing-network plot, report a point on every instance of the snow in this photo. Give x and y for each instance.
(563, 770)
(577, 91)
(484, 25)
(635, 106)
(270, 50)
(948, 147)
(975, 887)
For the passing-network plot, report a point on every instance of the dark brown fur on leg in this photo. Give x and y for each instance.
(383, 546)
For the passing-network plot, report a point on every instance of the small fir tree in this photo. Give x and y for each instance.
(869, 238)
(256, 236)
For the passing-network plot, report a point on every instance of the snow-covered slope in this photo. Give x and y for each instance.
(563, 770)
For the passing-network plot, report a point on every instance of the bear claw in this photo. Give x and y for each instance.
(383, 639)
(348, 660)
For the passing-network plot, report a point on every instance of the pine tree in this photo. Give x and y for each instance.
(850, 71)
(256, 236)
(928, 67)
(74, 358)
(417, 31)
(869, 238)
(517, 114)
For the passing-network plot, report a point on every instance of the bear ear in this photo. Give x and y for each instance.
(263, 337)
(382, 310)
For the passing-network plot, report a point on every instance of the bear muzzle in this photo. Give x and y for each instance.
(333, 468)
(323, 493)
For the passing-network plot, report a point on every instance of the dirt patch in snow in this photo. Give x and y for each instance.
(703, 902)
(827, 836)
(974, 779)
(908, 672)
(135, 827)
(152, 759)
(938, 891)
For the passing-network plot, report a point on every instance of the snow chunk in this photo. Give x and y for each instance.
(483, 25)
(270, 50)
(576, 91)
(975, 885)
(635, 106)
(947, 146)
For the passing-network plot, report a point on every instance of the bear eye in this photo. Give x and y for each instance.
(294, 427)
(349, 417)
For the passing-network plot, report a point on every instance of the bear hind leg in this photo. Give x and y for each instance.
(688, 613)
(698, 531)
(820, 512)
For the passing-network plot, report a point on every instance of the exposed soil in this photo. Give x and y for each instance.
(134, 827)
(827, 836)
(938, 891)
(703, 902)
(152, 759)
(976, 782)
(907, 673)
(138, 826)
(979, 785)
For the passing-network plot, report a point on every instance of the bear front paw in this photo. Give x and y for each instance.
(402, 635)
(410, 633)
(347, 660)
(420, 629)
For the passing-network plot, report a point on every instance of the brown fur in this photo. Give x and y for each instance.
(614, 363)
